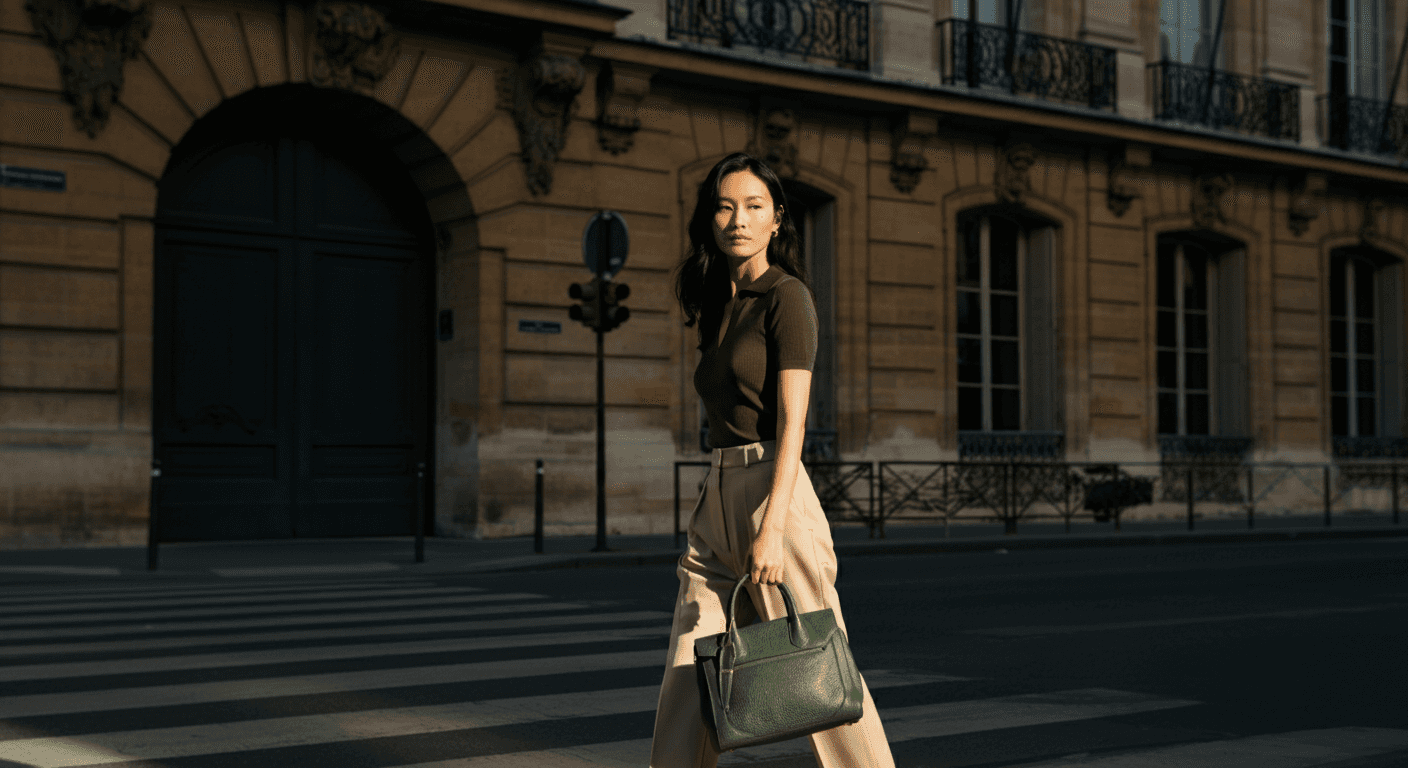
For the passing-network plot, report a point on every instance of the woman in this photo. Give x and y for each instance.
(743, 281)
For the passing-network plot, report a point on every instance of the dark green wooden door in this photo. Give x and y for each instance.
(291, 343)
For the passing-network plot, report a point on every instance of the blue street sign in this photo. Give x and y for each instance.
(605, 239)
(539, 326)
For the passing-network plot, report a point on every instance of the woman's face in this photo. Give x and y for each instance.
(745, 218)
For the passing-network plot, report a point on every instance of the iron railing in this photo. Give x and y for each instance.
(1011, 446)
(1009, 492)
(1357, 124)
(820, 31)
(1226, 101)
(1026, 64)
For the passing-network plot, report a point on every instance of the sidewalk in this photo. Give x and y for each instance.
(387, 556)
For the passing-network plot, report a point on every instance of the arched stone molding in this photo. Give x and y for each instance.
(1259, 308)
(1391, 250)
(851, 301)
(1070, 294)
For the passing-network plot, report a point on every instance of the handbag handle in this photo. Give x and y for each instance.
(796, 631)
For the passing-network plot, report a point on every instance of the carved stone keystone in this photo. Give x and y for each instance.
(620, 88)
(92, 39)
(907, 161)
(1012, 177)
(1121, 190)
(353, 47)
(542, 95)
(1208, 191)
(1306, 202)
(775, 139)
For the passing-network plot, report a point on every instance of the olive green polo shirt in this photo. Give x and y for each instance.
(768, 327)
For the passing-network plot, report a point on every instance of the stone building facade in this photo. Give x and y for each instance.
(293, 249)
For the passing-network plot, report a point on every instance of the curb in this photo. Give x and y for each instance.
(937, 546)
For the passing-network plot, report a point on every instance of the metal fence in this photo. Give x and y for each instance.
(822, 31)
(1009, 492)
(1370, 126)
(1026, 64)
(1226, 101)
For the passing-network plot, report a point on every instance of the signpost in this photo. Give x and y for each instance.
(605, 243)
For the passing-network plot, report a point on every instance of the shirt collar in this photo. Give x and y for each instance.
(766, 281)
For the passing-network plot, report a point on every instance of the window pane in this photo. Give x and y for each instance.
(1366, 417)
(1166, 285)
(1339, 41)
(1364, 375)
(1339, 10)
(1364, 343)
(1002, 255)
(969, 271)
(1195, 330)
(1006, 409)
(1168, 370)
(1339, 374)
(1168, 413)
(970, 408)
(1197, 406)
(1195, 280)
(970, 360)
(1339, 415)
(1195, 370)
(1364, 291)
(1337, 286)
(1005, 368)
(970, 318)
(1168, 329)
(1004, 315)
(1337, 339)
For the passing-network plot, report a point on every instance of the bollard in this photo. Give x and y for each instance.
(1327, 495)
(677, 506)
(1393, 475)
(1190, 497)
(1251, 497)
(420, 512)
(152, 537)
(538, 511)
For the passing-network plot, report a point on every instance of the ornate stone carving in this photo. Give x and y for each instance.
(92, 39)
(1306, 202)
(1013, 180)
(907, 161)
(619, 91)
(353, 47)
(1208, 190)
(542, 94)
(1120, 189)
(775, 141)
(1369, 224)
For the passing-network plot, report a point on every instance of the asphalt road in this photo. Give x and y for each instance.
(1245, 655)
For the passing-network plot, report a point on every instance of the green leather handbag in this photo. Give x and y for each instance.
(776, 680)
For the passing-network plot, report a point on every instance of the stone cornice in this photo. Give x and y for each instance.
(569, 13)
(859, 90)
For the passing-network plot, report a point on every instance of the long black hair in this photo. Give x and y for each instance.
(702, 277)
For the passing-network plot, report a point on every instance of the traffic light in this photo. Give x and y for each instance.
(599, 307)
(587, 313)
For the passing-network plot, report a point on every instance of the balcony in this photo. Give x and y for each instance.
(1226, 101)
(1011, 446)
(828, 32)
(1357, 124)
(1361, 448)
(1026, 64)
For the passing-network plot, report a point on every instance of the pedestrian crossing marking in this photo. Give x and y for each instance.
(306, 570)
(1065, 629)
(1297, 749)
(255, 598)
(167, 589)
(273, 733)
(283, 636)
(447, 597)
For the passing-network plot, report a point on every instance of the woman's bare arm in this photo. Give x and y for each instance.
(793, 391)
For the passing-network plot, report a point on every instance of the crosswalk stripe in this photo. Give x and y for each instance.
(274, 733)
(1066, 629)
(306, 570)
(12, 635)
(160, 664)
(197, 641)
(448, 597)
(257, 598)
(34, 705)
(1296, 749)
(168, 590)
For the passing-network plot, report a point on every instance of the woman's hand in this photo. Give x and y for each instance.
(766, 557)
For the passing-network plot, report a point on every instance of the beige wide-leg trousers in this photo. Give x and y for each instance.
(721, 531)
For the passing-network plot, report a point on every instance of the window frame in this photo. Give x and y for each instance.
(985, 336)
(1181, 391)
(1349, 264)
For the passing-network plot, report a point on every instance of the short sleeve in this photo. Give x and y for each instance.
(792, 328)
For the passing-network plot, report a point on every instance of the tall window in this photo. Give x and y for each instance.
(1356, 58)
(815, 217)
(989, 11)
(1186, 30)
(1200, 338)
(1006, 326)
(1354, 351)
(1184, 349)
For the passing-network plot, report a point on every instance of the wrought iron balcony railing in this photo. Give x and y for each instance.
(1026, 64)
(1226, 101)
(1370, 447)
(1363, 125)
(819, 31)
(1216, 449)
(1011, 446)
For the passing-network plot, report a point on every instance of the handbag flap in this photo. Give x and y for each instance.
(772, 638)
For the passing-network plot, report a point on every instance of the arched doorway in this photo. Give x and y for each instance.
(292, 360)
